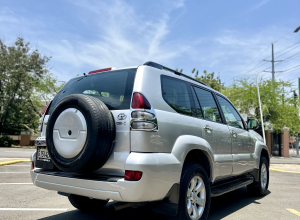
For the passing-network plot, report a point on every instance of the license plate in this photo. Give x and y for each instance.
(42, 154)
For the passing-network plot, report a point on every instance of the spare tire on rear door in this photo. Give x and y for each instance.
(80, 133)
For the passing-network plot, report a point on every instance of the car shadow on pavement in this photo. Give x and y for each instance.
(107, 214)
(229, 203)
(221, 207)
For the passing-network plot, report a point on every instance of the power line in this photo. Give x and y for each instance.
(257, 65)
(288, 47)
(288, 71)
(291, 68)
(288, 51)
(282, 37)
(250, 62)
(287, 59)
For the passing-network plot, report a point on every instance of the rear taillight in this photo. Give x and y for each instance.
(140, 102)
(133, 175)
(32, 165)
(45, 109)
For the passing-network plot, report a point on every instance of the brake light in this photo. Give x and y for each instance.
(32, 165)
(140, 102)
(45, 109)
(133, 175)
(99, 71)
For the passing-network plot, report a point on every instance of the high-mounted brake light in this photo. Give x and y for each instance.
(101, 70)
(45, 108)
(140, 102)
(133, 175)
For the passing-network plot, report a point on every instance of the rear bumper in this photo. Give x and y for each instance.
(160, 172)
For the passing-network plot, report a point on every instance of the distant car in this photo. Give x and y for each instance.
(147, 134)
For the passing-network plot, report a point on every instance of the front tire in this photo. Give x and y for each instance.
(194, 197)
(86, 204)
(260, 188)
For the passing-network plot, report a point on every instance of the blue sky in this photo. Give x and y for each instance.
(227, 37)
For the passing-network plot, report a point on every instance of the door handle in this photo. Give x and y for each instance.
(234, 134)
(208, 129)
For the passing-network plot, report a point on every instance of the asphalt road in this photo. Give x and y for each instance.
(8, 152)
(30, 202)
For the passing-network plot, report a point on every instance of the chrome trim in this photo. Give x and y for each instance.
(40, 141)
(207, 128)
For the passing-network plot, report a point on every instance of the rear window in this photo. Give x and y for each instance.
(114, 88)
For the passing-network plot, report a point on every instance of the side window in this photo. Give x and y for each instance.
(231, 116)
(176, 94)
(198, 110)
(208, 105)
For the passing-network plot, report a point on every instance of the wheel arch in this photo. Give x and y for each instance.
(200, 157)
(261, 149)
(265, 153)
(188, 148)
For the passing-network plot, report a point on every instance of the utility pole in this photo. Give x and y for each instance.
(273, 62)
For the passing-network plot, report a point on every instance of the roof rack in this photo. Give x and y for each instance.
(161, 67)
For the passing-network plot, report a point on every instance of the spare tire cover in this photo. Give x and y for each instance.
(80, 133)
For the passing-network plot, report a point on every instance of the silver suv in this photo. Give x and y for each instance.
(147, 134)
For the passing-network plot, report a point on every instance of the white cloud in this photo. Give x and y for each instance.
(259, 5)
(118, 36)
(238, 54)
(114, 33)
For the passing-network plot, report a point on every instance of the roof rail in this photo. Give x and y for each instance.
(161, 67)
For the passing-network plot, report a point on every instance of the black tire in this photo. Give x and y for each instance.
(256, 188)
(100, 134)
(189, 171)
(86, 204)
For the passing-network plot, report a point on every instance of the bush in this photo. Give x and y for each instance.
(6, 141)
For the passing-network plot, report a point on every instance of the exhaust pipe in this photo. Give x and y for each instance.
(122, 205)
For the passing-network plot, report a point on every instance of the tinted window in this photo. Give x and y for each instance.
(231, 116)
(198, 111)
(208, 105)
(176, 94)
(114, 88)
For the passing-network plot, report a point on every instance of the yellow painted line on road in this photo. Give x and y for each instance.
(12, 162)
(283, 171)
(294, 211)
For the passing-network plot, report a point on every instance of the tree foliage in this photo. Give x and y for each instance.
(209, 79)
(279, 104)
(23, 77)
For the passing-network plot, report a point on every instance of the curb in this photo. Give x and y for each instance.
(13, 161)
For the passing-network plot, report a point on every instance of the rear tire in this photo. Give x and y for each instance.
(86, 204)
(260, 188)
(190, 197)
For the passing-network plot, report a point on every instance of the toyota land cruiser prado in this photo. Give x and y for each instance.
(147, 134)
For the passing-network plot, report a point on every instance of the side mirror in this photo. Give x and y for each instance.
(253, 124)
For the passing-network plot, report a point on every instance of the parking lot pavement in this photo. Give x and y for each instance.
(9, 152)
(20, 199)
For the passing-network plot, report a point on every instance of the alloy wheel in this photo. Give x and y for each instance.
(196, 197)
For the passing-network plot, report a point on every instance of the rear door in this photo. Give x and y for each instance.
(242, 144)
(114, 89)
(216, 133)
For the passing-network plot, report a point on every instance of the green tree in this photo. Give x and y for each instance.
(277, 98)
(209, 79)
(23, 80)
